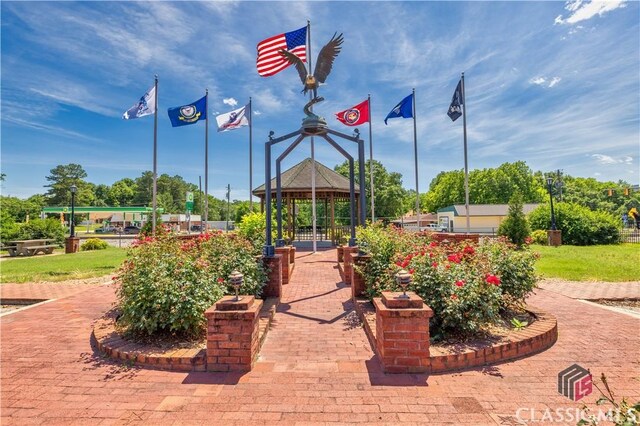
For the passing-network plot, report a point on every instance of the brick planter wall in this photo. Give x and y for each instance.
(402, 333)
(358, 284)
(274, 278)
(537, 337)
(348, 261)
(232, 334)
(284, 252)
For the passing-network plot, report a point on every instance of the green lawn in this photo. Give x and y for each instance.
(85, 264)
(590, 263)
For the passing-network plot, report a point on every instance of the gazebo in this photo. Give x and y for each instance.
(331, 187)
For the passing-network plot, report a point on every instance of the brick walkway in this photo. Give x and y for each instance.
(316, 367)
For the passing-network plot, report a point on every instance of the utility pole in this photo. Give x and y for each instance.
(228, 204)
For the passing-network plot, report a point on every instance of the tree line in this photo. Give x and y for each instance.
(486, 186)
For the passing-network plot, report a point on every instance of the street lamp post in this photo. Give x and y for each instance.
(73, 205)
(72, 244)
(553, 215)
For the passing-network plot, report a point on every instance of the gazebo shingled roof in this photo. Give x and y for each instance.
(297, 180)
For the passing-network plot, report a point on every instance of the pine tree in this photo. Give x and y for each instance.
(515, 226)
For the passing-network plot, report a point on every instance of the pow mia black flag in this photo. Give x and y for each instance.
(455, 109)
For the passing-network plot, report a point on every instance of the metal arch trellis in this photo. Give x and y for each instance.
(311, 128)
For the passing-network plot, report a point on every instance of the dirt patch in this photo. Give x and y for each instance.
(629, 304)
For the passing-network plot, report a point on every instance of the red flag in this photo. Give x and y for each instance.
(354, 116)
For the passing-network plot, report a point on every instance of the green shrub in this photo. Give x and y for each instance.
(385, 245)
(41, 229)
(94, 244)
(515, 226)
(539, 237)
(580, 226)
(167, 283)
(253, 228)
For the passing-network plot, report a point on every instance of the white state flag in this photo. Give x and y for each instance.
(145, 106)
(234, 119)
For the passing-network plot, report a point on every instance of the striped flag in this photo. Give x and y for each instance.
(270, 61)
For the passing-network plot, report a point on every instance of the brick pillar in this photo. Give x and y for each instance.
(292, 255)
(402, 333)
(274, 278)
(358, 284)
(348, 261)
(284, 252)
(554, 237)
(71, 244)
(232, 334)
(340, 254)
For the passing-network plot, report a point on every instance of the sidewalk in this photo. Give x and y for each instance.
(315, 367)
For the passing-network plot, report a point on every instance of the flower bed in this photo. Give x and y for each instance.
(166, 283)
(468, 285)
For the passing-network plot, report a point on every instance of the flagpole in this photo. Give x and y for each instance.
(206, 161)
(313, 159)
(415, 157)
(466, 166)
(250, 155)
(373, 204)
(155, 157)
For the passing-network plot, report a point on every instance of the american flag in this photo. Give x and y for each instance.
(270, 61)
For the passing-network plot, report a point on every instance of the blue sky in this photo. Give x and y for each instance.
(554, 84)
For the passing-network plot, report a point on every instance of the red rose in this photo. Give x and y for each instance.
(453, 258)
(412, 271)
(434, 264)
(459, 283)
(220, 280)
(492, 279)
(454, 297)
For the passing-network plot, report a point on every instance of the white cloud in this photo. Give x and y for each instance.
(256, 112)
(230, 101)
(583, 10)
(595, 174)
(554, 81)
(537, 80)
(606, 159)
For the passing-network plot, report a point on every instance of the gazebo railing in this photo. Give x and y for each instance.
(305, 233)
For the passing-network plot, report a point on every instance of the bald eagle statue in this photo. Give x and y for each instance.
(323, 65)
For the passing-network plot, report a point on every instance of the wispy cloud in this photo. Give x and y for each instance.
(230, 101)
(606, 159)
(581, 10)
(537, 80)
(554, 81)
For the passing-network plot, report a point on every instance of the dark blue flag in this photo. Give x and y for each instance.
(455, 109)
(404, 109)
(188, 114)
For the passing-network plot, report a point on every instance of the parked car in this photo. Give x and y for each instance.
(196, 228)
(131, 229)
(436, 228)
(105, 230)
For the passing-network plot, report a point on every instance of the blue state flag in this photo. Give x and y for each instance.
(188, 114)
(455, 109)
(404, 109)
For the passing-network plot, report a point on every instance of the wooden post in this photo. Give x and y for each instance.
(333, 220)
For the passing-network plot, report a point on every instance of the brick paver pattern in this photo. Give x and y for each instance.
(315, 367)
